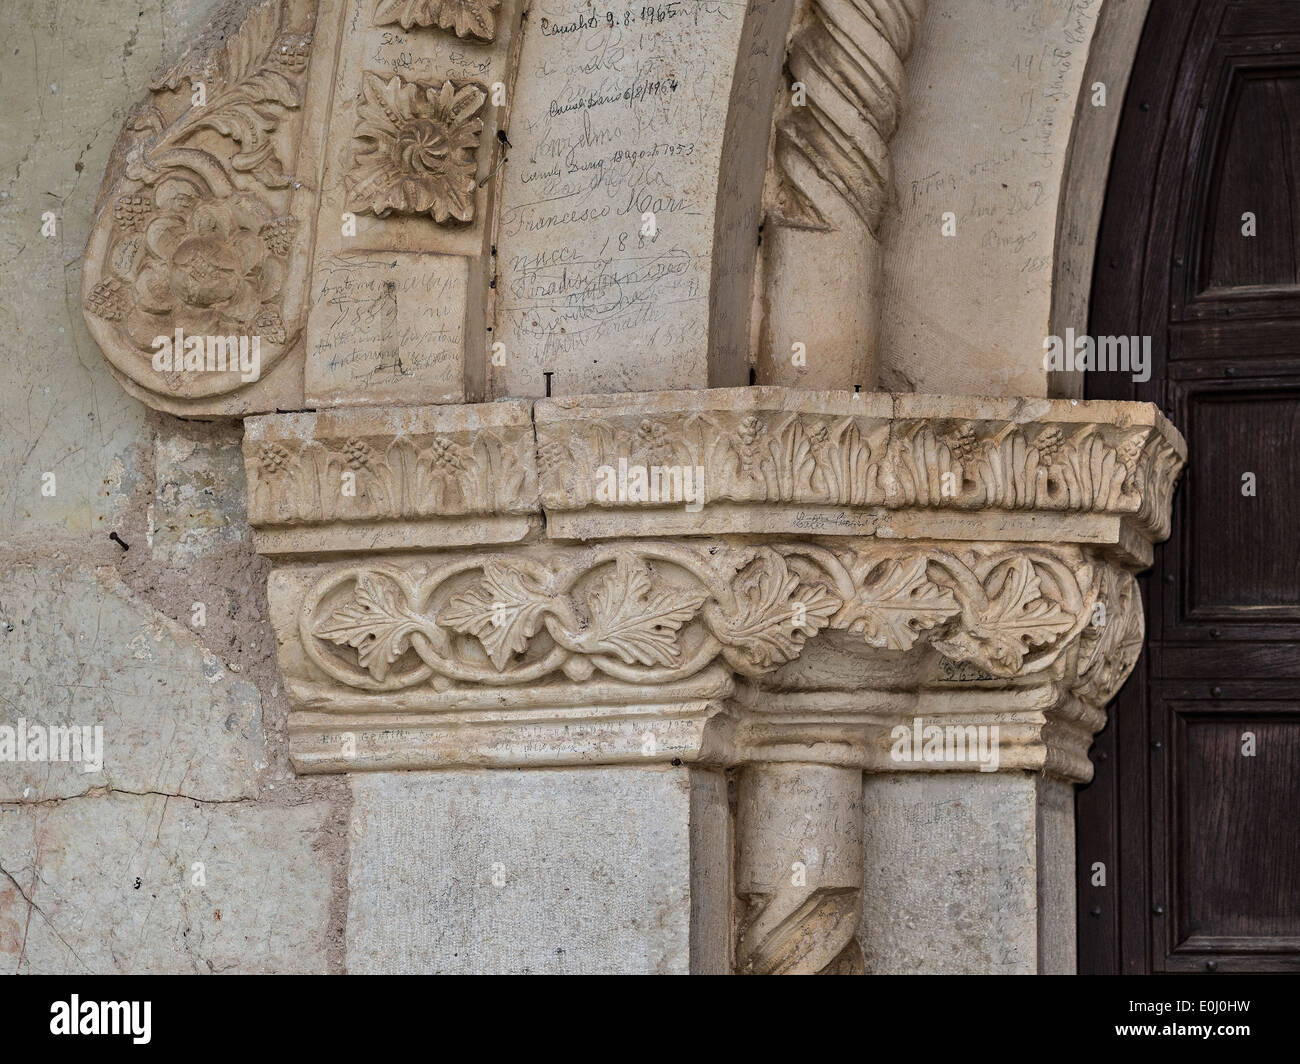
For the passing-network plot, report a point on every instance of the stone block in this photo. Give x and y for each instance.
(591, 870)
(112, 884)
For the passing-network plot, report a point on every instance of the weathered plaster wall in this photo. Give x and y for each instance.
(98, 871)
(1000, 130)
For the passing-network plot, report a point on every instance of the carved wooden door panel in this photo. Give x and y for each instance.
(1194, 811)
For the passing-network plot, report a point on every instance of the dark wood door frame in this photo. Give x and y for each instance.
(1150, 278)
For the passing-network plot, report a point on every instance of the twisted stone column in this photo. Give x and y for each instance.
(799, 869)
(833, 182)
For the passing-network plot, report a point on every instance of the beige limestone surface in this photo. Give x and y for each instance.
(996, 91)
(540, 872)
(129, 884)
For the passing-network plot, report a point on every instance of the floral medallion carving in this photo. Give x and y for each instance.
(196, 230)
(466, 18)
(421, 146)
(215, 266)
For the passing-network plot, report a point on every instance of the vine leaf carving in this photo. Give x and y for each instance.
(376, 622)
(503, 612)
(1016, 618)
(775, 613)
(893, 611)
(636, 622)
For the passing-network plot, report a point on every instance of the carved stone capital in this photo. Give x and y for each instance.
(1036, 637)
(974, 557)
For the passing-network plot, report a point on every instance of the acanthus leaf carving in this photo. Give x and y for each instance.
(846, 460)
(403, 477)
(249, 97)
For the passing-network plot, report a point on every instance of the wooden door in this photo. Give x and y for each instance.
(1195, 807)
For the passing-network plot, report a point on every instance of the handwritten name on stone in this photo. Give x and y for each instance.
(607, 204)
(387, 326)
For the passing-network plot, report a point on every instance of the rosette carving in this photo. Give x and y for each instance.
(421, 147)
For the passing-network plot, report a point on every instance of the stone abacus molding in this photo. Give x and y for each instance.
(821, 463)
(417, 477)
(826, 462)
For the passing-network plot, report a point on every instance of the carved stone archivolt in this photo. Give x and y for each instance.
(232, 193)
